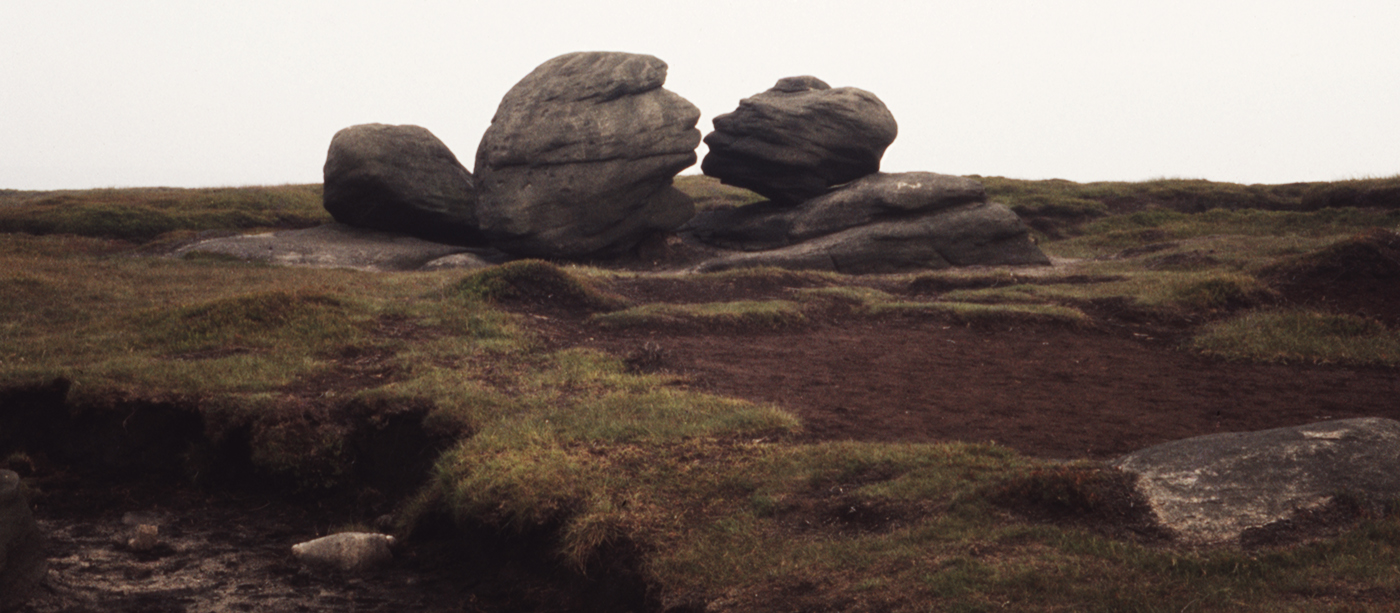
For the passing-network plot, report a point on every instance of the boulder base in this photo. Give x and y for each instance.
(880, 223)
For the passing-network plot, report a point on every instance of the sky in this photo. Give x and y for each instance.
(99, 93)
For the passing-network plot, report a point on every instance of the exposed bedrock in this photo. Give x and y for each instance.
(880, 223)
(580, 156)
(796, 140)
(400, 179)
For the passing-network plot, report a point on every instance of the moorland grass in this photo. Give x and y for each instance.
(141, 215)
(1068, 199)
(1298, 336)
(709, 193)
(755, 313)
(719, 500)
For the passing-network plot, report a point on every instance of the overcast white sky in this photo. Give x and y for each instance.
(101, 93)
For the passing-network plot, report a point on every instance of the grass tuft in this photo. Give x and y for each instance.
(743, 313)
(1294, 336)
(710, 193)
(536, 282)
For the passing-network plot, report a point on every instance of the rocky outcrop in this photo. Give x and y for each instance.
(1214, 488)
(796, 140)
(579, 158)
(400, 179)
(22, 560)
(880, 223)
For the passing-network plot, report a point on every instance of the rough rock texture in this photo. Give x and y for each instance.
(346, 551)
(400, 179)
(579, 158)
(796, 140)
(339, 246)
(880, 223)
(1210, 489)
(22, 560)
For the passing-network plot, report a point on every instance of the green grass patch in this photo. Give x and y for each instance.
(745, 313)
(536, 281)
(1294, 336)
(263, 320)
(990, 313)
(710, 193)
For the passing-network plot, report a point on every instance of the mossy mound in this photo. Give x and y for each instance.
(537, 283)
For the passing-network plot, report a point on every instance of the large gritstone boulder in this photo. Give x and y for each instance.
(580, 156)
(400, 179)
(22, 560)
(1216, 488)
(880, 223)
(796, 140)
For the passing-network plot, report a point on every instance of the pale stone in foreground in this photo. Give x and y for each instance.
(1211, 489)
(346, 551)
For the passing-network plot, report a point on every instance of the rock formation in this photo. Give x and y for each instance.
(22, 560)
(879, 223)
(400, 179)
(796, 140)
(1213, 488)
(579, 158)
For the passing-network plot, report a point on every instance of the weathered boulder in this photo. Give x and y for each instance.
(400, 179)
(346, 551)
(580, 156)
(1211, 489)
(796, 140)
(23, 563)
(880, 223)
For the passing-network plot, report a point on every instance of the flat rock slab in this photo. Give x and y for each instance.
(336, 245)
(1211, 489)
(978, 234)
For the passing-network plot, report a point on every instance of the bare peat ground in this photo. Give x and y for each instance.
(1047, 390)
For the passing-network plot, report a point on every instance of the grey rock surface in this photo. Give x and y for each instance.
(873, 198)
(1211, 489)
(986, 234)
(346, 551)
(879, 223)
(579, 158)
(400, 179)
(799, 138)
(23, 563)
(336, 245)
